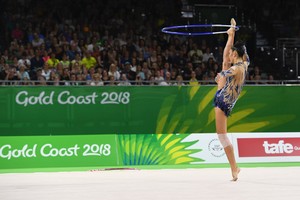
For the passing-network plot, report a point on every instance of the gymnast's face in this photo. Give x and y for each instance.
(232, 55)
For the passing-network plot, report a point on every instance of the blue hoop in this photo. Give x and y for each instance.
(169, 29)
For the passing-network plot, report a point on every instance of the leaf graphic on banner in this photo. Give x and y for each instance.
(154, 149)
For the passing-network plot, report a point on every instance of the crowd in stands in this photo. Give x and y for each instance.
(104, 43)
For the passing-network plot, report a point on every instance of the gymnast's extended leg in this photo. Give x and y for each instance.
(221, 128)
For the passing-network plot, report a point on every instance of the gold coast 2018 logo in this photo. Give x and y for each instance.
(66, 97)
(215, 148)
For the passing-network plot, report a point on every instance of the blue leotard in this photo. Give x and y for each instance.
(226, 97)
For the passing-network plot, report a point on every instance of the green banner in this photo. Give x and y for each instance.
(142, 110)
(58, 151)
(96, 150)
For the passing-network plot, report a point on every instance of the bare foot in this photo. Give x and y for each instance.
(232, 22)
(235, 174)
(231, 30)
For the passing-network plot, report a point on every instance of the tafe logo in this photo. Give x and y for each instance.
(256, 147)
(280, 147)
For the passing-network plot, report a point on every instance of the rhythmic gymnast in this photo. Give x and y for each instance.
(230, 82)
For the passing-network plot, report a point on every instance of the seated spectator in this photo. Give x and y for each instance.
(96, 80)
(174, 74)
(187, 71)
(17, 33)
(255, 75)
(158, 78)
(105, 76)
(140, 73)
(138, 80)
(207, 55)
(37, 40)
(130, 74)
(52, 78)
(88, 61)
(24, 61)
(168, 80)
(193, 80)
(46, 71)
(57, 81)
(12, 77)
(53, 61)
(40, 78)
(37, 61)
(195, 55)
(65, 77)
(179, 80)
(113, 71)
(22, 73)
(77, 60)
(211, 75)
(45, 56)
(65, 61)
(72, 81)
(112, 80)
(124, 81)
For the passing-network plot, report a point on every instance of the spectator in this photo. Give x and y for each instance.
(52, 78)
(193, 80)
(114, 72)
(77, 60)
(179, 80)
(46, 71)
(45, 56)
(105, 77)
(195, 55)
(112, 81)
(96, 80)
(124, 81)
(65, 61)
(40, 79)
(130, 74)
(37, 40)
(17, 33)
(255, 75)
(88, 61)
(208, 55)
(37, 61)
(53, 61)
(158, 78)
(22, 74)
(138, 80)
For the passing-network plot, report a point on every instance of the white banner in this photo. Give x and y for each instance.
(249, 147)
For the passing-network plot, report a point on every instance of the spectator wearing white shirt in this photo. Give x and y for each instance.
(46, 71)
(114, 72)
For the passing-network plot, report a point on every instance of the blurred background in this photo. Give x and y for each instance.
(122, 32)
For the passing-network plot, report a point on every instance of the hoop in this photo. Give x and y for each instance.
(169, 29)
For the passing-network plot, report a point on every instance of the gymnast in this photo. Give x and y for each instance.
(230, 81)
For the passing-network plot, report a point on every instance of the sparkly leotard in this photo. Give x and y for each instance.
(226, 97)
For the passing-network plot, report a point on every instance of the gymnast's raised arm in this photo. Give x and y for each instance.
(230, 40)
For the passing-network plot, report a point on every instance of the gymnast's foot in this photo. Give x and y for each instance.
(231, 30)
(235, 174)
(232, 22)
